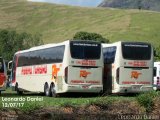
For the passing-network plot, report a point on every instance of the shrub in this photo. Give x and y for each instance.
(146, 99)
(90, 36)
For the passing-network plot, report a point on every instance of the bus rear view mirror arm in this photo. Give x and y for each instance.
(10, 65)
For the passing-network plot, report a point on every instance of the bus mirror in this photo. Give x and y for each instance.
(10, 65)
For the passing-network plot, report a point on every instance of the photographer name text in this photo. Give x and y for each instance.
(19, 101)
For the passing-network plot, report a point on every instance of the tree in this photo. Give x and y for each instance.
(157, 53)
(11, 42)
(90, 36)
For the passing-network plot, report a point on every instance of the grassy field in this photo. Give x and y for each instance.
(58, 22)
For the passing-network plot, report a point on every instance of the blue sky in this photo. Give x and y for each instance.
(85, 3)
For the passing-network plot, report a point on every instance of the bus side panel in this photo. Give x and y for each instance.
(37, 78)
(2, 81)
(156, 82)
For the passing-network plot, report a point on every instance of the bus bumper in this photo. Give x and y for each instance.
(133, 89)
(84, 88)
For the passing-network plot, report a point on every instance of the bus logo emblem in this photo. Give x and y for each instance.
(135, 74)
(55, 71)
(84, 73)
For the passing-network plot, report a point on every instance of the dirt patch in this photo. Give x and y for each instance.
(156, 107)
(125, 107)
(68, 110)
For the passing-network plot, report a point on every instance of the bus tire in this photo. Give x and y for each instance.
(46, 89)
(17, 89)
(52, 90)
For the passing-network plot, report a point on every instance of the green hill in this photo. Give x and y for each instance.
(58, 22)
(132, 4)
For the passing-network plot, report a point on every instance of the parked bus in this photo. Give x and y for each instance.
(70, 66)
(128, 67)
(156, 83)
(3, 75)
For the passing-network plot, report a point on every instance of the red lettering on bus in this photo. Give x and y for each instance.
(26, 70)
(131, 82)
(93, 82)
(144, 82)
(140, 64)
(77, 81)
(42, 69)
(86, 62)
(128, 82)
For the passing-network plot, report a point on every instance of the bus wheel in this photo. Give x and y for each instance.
(52, 90)
(17, 89)
(46, 89)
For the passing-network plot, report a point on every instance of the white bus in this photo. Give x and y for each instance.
(128, 67)
(3, 75)
(156, 83)
(70, 66)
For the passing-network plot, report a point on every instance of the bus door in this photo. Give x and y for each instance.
(13, 71)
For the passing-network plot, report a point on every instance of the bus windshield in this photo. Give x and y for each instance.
(136, 51)
(85, 50)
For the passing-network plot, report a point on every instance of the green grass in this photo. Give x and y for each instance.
(58, 22)
(146, 100)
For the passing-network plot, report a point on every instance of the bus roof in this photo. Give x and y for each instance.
(43, 47)
(156, 63)
(119, 43)
(47, 46)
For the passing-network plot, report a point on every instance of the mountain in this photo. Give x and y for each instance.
(57, 23)
(132, 4)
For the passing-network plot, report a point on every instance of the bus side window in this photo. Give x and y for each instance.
(154, 71)
(109, 54)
